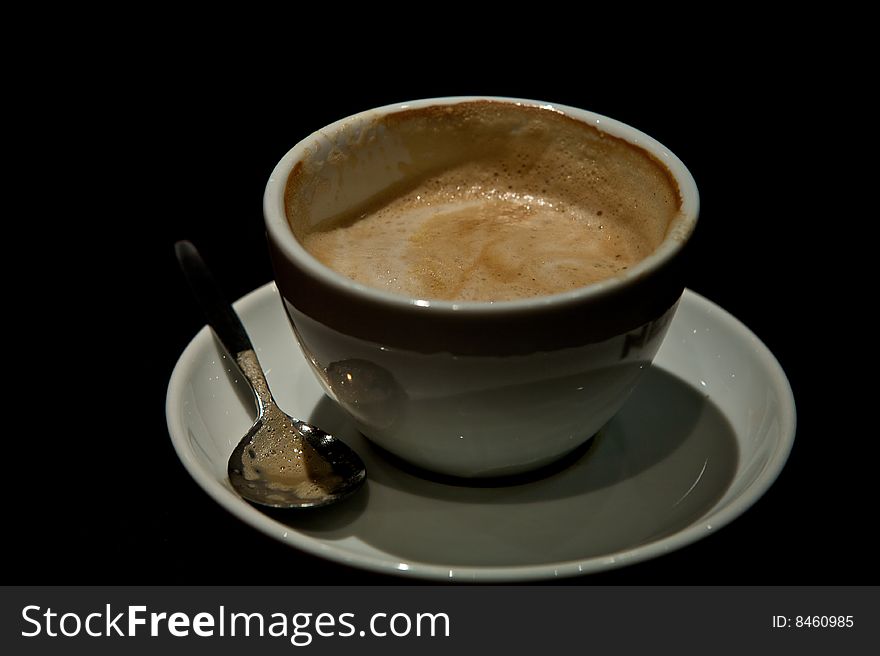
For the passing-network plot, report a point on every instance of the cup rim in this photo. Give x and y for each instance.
(279, 231)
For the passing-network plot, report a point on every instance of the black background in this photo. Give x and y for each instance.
(173, 141)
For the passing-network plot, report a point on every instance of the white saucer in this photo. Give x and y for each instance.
(701, 439)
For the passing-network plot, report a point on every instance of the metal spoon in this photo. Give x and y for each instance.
(281, 462)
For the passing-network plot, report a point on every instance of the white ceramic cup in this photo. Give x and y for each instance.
(469, 389)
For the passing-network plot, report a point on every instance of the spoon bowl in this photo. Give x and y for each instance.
(317, 486)
(281, 462)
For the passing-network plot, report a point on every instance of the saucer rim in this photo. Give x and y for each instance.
(389, 565)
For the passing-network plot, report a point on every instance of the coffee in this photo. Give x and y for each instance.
(492, 201)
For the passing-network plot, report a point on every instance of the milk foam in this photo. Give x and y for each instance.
(501, 202)
(496, 248)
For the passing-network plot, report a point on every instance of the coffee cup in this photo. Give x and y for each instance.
(479, 283)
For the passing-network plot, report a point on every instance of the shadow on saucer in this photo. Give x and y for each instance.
(329, 519)
(663, 414)
(659, 466)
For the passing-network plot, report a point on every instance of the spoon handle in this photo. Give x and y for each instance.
(223, 320)
(221, 317)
